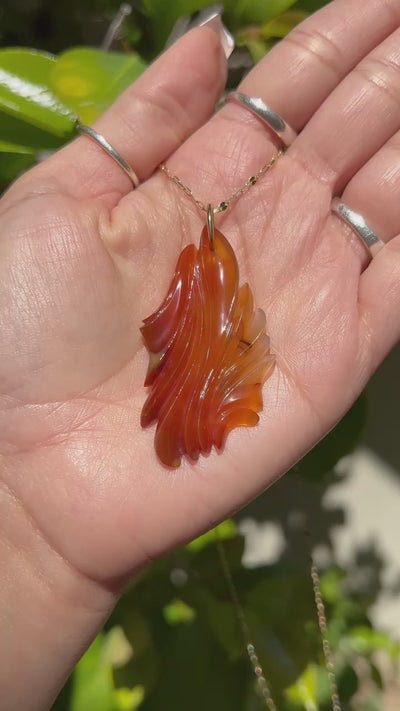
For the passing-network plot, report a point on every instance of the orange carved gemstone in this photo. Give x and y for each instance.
(209, 354)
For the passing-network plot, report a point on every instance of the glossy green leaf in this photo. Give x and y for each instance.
(14, 159)
(26, 92)
(15, 149)
(16, 130)
(89, 80)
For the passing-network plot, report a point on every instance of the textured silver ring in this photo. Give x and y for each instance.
(358, 224)
(109, 149)
(275, 122)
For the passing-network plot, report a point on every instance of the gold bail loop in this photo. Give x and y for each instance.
(210, 225)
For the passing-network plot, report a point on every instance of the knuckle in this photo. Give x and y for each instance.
(383, 73)
(164, 110)
(317, 44)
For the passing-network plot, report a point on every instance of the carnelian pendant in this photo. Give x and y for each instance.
(209, 354)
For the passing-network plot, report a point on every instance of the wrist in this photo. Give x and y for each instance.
(50, 612)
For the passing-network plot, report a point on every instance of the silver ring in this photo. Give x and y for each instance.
(108, 148)
(358, 224)
(266, 114)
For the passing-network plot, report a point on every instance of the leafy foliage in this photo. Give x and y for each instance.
(42, 96)
(174, 640)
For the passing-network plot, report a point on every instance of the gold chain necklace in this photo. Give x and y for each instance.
(222, 206)
(262, 682)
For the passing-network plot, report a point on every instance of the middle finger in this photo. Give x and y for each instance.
(357, 119)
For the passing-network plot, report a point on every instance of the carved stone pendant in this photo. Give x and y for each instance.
(209, 354)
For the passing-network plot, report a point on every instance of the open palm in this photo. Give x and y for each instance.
(84, 259)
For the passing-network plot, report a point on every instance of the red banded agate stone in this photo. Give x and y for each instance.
(209, 354)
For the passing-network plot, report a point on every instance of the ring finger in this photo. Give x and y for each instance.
(356, 120)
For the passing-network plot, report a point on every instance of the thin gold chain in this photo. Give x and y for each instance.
(222, 206)
(319, 603)
(250, 648)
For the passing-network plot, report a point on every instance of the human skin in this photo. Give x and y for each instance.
(84, 502)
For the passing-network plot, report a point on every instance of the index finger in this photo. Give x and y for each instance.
(172, 98)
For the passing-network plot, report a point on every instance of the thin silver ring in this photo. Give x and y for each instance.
(275, 122)
(358, 224)
(108, 148)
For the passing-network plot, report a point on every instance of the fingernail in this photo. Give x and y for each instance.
(210, 18)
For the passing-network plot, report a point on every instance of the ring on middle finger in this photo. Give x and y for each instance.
(273, 120)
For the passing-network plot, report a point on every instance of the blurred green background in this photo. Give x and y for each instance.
(174, 641)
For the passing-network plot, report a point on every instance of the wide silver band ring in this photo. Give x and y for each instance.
(358, 224)
(108, 148)
(275, 122)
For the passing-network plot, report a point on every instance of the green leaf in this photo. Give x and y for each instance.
(242, 12)
(331, 585)
(365, 641)
(142, 667)
(178, 612)
(225, 531)
(164, 15)
(26, 92)
(310, 5)
(304, 692)
(258, 48)
(16, 130)
(89, 80)
(116, 650)
(283, 24)
(13, 160)
(376, 676)
(92, 681)
(14, 149)
(129, 699)
(347, 682)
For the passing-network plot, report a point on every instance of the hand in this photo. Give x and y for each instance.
(84, 259)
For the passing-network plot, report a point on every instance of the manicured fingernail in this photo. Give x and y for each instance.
(213, 19)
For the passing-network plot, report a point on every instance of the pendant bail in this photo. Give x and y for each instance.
(210, 225)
